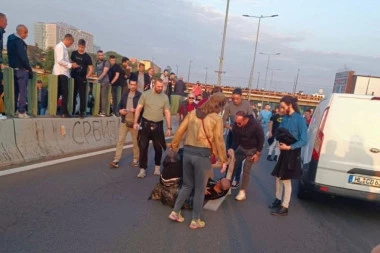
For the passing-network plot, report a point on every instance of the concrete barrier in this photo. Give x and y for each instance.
(42, 138)
(27, 140)
(9, 153)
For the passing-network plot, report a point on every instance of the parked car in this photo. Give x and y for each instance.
(342, 156)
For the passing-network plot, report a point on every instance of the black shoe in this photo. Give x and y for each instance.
(276, 204)
(282, 211)
(275, 158)
(66, 115)
(82, 115)
(269, 158)
(235, 186)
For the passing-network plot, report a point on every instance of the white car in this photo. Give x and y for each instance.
(342, 156)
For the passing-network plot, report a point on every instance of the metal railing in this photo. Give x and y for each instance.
(52, 87)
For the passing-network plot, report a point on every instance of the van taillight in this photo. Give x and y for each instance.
(320, 135)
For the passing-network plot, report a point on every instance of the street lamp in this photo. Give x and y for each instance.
(266, 72)
(271, 79)
(188, 75)
(220, 71)
(254, 54)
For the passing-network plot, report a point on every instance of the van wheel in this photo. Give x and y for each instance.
(303, 193)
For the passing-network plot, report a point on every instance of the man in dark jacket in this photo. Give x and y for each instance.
(248, 142)
(143, 80)
(18, 60)
(127, 106)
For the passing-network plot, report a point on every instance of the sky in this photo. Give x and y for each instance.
(319, 38)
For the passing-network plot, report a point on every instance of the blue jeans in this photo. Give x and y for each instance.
(21, 89)
(41, 110)
(196, 162)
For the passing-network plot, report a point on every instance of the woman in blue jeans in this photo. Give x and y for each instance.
(204, 137)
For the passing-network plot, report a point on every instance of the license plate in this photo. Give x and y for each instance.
(368, 181)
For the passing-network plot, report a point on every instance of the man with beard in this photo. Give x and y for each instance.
(155, 104)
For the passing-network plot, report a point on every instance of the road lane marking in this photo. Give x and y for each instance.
(61, 160)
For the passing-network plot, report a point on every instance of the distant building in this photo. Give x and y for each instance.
(343, 82)
(366, 85)
(348, 82)
(49, 34)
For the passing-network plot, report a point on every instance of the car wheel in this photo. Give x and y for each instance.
(303, 193)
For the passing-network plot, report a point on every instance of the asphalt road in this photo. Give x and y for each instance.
(83, 206)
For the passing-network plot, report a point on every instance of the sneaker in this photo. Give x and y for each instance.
(197, 224)
(269, 158)
(157, 170)
(114, 164)
(235, 185)
(275, 158)
(135, 163)
(241, 196)
(23, 116)
(176, 217)
(102, 114)
(141, 174)
(3, 116)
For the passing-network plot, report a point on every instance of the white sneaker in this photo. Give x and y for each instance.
(23, 116)
(157, 170)
(141, 174)
(3, 116)
(241, 196)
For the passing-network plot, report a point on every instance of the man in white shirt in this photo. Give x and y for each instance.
(62, 66)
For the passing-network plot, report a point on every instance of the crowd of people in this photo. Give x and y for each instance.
(204, 116)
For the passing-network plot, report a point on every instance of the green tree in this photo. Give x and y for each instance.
(117, 55)
(5, 59)
(49, 60)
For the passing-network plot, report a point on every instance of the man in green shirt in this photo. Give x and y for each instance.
(156, 104)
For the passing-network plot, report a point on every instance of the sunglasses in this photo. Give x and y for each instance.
(190, 98)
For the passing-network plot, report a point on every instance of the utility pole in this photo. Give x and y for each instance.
(258, 81)
(188, 75)
(296, 82)
(223, 43)
(206, 75)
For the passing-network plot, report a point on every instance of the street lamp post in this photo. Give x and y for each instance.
(254, 54)
(258, 81)
(206, 75)
(220, 71)
(266, 72)
(188, 75)
(271, 79)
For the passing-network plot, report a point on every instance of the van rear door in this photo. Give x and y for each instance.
(350, 152)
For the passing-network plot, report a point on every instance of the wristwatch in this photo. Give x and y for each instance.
(169, 128)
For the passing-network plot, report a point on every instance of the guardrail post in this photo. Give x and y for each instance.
(52, 95)
(108, 103)
(70, 96)
(118, 98)
(32, 96)
(9, 91)
(96, 95)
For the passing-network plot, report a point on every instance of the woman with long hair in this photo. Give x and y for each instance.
(292, 135)
(204, 137)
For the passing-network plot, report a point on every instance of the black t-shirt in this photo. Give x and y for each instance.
(83, 60)
(276, 119)
(112, 72)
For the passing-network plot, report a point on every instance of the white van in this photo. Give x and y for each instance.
(342, 156)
